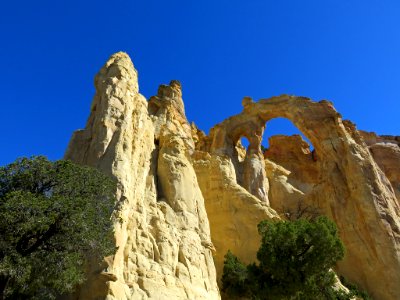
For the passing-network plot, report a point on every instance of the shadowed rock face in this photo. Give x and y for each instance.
(185, 197)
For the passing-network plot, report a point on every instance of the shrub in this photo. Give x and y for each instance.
(294, 262)
(54, 216)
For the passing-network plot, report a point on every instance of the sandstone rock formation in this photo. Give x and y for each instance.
(185, 197)
(232, 211)
(386, 152)
(162, 231)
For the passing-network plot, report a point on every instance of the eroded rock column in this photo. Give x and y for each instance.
(161, 228)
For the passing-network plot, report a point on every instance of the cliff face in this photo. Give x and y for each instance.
(386, 152)
(162, 231)
(185, 197)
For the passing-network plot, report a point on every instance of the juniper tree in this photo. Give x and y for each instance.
(54, 216)
(294, 262)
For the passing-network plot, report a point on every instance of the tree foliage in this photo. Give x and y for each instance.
(294, 262)
(54, 216)
(355, 291)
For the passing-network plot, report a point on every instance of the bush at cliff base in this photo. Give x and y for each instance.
(54, 217)
(294, 262)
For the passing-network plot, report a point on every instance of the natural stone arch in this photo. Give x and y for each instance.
(165, 253)
(226, 134)
(318, 121)
(352, 189)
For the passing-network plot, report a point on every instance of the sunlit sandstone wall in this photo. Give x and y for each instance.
(176, 184)
(161, 230)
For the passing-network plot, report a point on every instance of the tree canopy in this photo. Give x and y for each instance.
(294, 262)
(54, 216)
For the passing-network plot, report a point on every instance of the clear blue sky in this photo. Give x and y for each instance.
(345, 51)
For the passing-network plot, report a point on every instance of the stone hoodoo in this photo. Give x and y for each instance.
(185, 198)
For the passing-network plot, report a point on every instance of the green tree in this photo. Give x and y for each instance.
(54, 217)
(294, 262)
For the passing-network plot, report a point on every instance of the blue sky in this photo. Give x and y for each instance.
(345, 51)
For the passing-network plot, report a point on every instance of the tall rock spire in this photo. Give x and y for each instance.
(161, 228)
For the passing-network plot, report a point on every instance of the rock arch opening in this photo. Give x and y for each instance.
(241, 148)
(281, 126)
(285, 145)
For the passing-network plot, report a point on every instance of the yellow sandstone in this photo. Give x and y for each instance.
(185, 198)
